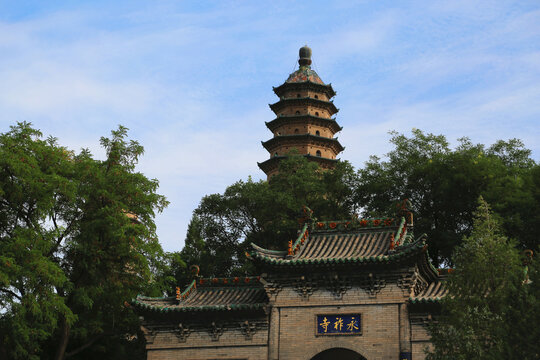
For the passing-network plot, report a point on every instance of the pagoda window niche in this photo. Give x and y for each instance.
(296, 131)
(297, 112)
(316, 113)
(318, 153)
(316, 96)
(318, 133)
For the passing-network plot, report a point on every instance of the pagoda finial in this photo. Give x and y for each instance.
(305, 56)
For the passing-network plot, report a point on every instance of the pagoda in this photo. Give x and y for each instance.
(303, 122)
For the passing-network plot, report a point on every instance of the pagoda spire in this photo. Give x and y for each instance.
(304, 121)
(305, 56)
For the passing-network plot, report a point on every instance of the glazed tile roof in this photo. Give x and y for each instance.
(210, 295)
(347, 245)
(363, 241)
(304, 74)
(433, 293)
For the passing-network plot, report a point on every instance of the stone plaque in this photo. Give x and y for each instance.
(338, 324)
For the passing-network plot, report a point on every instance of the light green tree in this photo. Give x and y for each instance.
(491, 310)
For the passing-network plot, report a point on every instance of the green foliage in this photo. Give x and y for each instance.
(165, 272)
(490, 310)
(264, 213)
(72, 249)
(443, 185)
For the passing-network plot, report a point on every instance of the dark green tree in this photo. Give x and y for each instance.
(265, 213)
(77, 240)
(443, 185)
(491, 309)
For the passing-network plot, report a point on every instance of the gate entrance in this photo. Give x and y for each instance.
(338, 353)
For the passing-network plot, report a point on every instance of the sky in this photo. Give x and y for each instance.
(192, 80)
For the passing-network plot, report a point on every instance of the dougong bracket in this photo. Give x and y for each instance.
(248, 329)
(215, 331)
(305, 288)
(182, 332)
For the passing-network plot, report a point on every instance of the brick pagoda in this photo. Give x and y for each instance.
(303, 120)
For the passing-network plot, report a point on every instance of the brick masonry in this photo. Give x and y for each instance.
(291, 330)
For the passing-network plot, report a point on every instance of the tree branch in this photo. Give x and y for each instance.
(60, 237)
(11, 293)
(82, 347)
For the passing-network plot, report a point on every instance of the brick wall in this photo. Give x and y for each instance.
(305, 93)
(299, 128)
(232, 344)
(237, 353)
(380, 337)
(291, 332)
(420, 340)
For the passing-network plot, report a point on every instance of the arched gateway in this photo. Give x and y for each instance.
(339, 289)
(338, 353)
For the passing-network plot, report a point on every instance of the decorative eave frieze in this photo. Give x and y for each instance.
(213, 330)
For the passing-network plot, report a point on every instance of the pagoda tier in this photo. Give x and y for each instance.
(303, 122)
(288, 124)
(272, 165)
(289, 88)
(303, 105)
(305, 144)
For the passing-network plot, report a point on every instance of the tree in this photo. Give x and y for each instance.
(264, 213)
(77, 240)
(443, 185)
(492, 307)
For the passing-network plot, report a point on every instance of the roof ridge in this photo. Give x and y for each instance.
(433, 293)
(353, 224)
(303, 236)
(228, 281)
(406, 251)
(182, 296)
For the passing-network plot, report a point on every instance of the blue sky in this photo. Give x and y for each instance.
(192, 79)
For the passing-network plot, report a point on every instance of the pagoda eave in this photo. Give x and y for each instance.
(308, 118)
(302, 139)
(284, 103)
(288, 86)
(273, 163)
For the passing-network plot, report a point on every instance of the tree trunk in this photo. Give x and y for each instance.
(64, 338)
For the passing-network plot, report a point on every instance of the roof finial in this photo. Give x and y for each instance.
(305, 56)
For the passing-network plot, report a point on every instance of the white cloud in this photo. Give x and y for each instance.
(192, 83)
